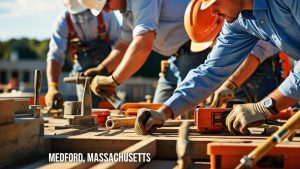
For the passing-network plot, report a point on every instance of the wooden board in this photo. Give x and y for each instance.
(162, 144)
(20, 141)
(7, 111)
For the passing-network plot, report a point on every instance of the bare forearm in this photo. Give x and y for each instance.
(245, 70)
(135, 56)
(53, 71)
(281, 101)
(115, 56)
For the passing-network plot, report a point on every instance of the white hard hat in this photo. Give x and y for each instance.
(73, 7)
(95, 6)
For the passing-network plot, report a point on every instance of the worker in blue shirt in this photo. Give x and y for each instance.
(258, 75)
(89, 39)
(274, 21)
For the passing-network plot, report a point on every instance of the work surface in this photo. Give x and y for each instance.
(60, 138)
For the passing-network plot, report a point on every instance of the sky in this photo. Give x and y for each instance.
(28, 18)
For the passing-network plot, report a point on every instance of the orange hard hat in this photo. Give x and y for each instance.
(201, 26)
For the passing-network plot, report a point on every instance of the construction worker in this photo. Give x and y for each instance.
(147, 25)
(89, 39)
(274, 21)
(256, 77)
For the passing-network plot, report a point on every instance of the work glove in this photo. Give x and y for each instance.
(147, 120)
(99, 70)
(247, 115)
(105, 83)
(53, 98)
(222, 95)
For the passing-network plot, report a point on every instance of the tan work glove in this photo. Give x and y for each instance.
(103, 83)
(147, 120)
(222, 95)
(247, 115)
(99, 70)
(53, 98)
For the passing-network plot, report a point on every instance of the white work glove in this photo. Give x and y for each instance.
(222, 95)
(147, 120)
(247, 115)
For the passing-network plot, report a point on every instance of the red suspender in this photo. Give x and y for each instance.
(101, 29)
(72, 36)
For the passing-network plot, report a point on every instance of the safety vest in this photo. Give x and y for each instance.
(73, 39)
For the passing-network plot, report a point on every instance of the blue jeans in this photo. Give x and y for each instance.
(178, 68)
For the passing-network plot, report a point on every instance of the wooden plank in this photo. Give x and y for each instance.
(21, 105)
(20, 141)
(7, 111)
(163, 164)
(90, 144)
(144, 146)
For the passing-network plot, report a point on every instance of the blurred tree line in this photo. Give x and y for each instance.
(37, 49)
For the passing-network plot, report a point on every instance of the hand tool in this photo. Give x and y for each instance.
(76, 78)
(86, 103)
(210, 120)
(131, 108)
(164, 64)
(227, 154)
(183, 147)
(84, 117)
(110, 95)
(288, 128)
(114, 123)
(37, 91)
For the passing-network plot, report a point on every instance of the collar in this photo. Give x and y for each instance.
(258, 5)
(82, 17)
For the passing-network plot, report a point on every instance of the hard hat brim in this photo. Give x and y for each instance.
(198, 47)
(95, 12)
(206, 4)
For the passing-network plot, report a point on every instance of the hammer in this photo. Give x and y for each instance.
(37, 92)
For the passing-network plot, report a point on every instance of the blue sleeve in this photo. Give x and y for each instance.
(59, 40)
(290, 87)
(146, 16)
(232, 47)
(112, 27)
(294, 6)
(264, 50)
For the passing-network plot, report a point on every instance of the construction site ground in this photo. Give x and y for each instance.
(27, 142)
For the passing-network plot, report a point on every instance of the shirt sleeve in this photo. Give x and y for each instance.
(59, 40)
(112, 27)
(146, 16)
(290, 87)
(294, 6)
(233, 45)
(264, 50)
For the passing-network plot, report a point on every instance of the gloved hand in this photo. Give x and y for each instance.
(147, 120)
(53, 98)
(247, 115)
(222, 95)
(99, 70)
(103, 83)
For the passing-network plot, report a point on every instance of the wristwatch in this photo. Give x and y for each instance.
(270, 105)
